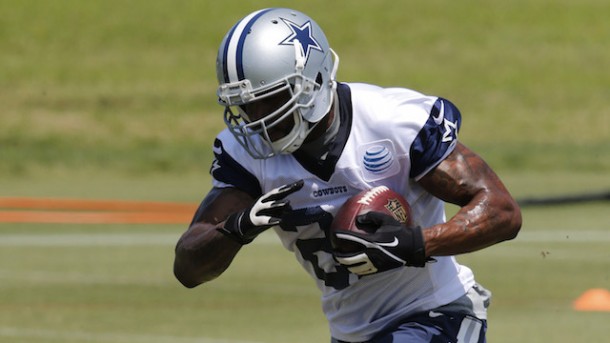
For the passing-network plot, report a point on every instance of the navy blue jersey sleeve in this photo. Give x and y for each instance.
(226, 169)
(436, 139)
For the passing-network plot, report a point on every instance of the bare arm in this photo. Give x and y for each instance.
(203, 253)
(488, 213)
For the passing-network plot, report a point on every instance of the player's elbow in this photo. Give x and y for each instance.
(202, 256)
(188, 277)
(512, 220)
(192, 271)
(188, 273)
(184, 278)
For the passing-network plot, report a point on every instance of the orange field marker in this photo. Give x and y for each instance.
(596, 299)
(71, 217)
(81, 211)
(93, 205)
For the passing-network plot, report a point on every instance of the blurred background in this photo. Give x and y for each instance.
(116, 100)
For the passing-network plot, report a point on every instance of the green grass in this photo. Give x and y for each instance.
(560, 253)
(130, 85)
(113, 283)
(115, 100)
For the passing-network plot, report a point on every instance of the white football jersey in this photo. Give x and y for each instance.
(387, 136)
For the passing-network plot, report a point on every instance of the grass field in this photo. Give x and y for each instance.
(133, 82)
(115, 100)
(113, 283)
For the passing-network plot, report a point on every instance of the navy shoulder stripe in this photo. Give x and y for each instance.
(226, 169)
(436, 138)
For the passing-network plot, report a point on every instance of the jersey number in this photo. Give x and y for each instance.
(314, 248)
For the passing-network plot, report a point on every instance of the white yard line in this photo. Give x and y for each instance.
(87, 239)
(564, 236)
(80, 278)
(115, 337)
(170, 239)
(102, 239)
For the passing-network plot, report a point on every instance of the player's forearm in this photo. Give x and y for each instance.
(488, 213)
(202, 254)
(488, 219)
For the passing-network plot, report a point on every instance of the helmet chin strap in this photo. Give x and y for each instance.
(319, 146)
(293, 140)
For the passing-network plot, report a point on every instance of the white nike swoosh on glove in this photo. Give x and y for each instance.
(389, 244)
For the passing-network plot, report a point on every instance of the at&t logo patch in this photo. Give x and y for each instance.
(378, 160)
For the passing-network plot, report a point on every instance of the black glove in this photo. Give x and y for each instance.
(266, 212)
(389, 245)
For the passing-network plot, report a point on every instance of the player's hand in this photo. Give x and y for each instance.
(391, 245)
(266, 212)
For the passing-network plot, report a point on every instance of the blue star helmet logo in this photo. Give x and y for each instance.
(303, 35)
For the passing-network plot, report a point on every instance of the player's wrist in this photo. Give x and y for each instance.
(233, 228)
(417, 249)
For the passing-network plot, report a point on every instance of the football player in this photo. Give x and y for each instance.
(298, 144)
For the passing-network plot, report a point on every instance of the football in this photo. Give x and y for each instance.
(379, 199)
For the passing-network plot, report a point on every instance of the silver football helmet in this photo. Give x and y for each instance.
(275, 52)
